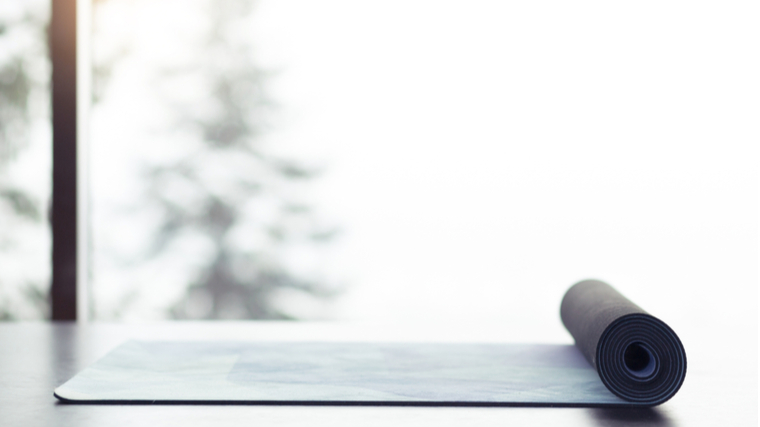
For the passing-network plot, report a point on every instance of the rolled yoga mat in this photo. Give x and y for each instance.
(640, 362)
(638, 357)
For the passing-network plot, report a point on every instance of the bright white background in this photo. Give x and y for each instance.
(481, 157)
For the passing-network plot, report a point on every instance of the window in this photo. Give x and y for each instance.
(413, 160)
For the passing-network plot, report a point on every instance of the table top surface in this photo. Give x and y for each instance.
(35, 358)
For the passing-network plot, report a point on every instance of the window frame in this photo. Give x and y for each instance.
(70, 86)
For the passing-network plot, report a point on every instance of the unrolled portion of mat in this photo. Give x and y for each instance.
(638, 356)
(341, 373)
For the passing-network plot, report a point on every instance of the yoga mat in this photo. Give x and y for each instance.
(622, 357)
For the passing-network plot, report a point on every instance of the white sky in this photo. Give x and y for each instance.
(482, 156)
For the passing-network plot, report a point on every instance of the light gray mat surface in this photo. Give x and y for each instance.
(341, 373)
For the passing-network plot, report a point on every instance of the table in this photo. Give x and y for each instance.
(37, 357)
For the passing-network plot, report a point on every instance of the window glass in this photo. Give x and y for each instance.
(415, 160)
(25, 160)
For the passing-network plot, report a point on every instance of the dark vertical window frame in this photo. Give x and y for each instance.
(63, 46)
(70, 73)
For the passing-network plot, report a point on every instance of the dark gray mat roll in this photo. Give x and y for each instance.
(638, 357)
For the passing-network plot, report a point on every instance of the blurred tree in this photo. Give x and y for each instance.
(23, 105)
(226, 184)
